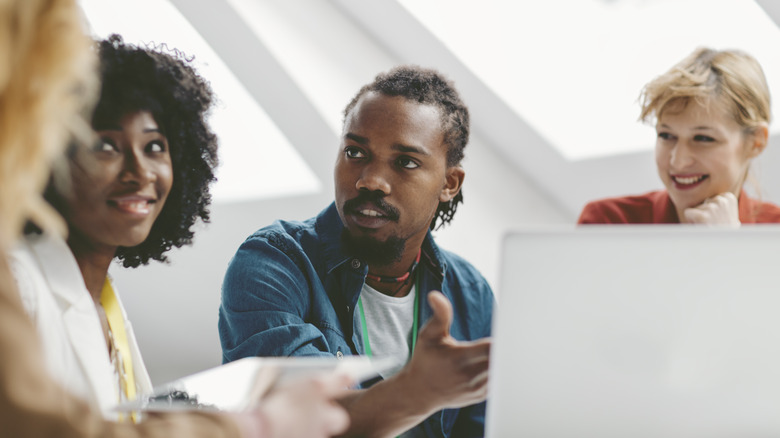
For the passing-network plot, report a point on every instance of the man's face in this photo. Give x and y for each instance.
(391, 173)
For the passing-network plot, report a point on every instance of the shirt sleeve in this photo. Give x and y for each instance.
(265, 300)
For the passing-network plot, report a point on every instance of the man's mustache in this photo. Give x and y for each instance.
(374, 197)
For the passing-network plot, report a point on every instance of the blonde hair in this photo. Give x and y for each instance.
(47, 78)
(731, 77)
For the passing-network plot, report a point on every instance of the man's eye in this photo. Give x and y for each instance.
(407, 163)
(703, 138)
(352, 152)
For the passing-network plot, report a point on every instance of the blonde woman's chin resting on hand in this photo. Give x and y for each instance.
(722, 209)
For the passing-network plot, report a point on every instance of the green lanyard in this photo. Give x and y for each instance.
(367, 343)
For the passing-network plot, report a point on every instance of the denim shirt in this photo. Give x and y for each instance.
(291, 290)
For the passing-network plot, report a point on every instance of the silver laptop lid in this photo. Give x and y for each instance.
(657, 331)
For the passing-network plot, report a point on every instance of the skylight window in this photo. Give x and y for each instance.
(574, 69)
(256, 159)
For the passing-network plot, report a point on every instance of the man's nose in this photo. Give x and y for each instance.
(374, 178)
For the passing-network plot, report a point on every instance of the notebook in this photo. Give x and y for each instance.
(637, 331)
(239, 386)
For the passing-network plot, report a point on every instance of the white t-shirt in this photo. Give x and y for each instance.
(389, 321)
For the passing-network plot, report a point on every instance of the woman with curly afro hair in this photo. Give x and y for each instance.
(131, 195)
(178, 99)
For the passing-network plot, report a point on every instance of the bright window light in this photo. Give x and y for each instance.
(574, 69)
(256, 160)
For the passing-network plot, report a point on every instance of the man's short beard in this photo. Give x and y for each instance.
(372, 251)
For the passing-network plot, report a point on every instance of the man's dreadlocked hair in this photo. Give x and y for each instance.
(429, 87)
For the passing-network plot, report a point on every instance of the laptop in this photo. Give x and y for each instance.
(637, 331)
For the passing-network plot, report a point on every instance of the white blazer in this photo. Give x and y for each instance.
(55, 297)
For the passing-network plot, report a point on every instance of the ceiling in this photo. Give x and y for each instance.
(552, 86)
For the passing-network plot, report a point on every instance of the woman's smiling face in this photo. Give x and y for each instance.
(121, 184)
(701, 151)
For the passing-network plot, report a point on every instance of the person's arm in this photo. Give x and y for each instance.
(442, 373)
(266, 296)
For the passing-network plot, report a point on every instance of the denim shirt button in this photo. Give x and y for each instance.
(339, 355)
(355, 264)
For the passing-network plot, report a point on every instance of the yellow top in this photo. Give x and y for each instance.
(116, 323)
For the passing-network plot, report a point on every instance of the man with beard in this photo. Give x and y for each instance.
(363, 276)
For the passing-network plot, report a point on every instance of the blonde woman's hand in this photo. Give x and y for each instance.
(722, 209)
(303, 408)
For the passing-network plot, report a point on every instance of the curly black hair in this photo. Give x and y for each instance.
(428, 87)
(161, 81)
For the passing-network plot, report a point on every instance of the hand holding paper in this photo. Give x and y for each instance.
(304, 408)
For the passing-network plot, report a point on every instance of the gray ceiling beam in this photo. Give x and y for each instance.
(267, 81)
(772, 8)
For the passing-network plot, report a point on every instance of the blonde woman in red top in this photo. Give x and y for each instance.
(712, 114)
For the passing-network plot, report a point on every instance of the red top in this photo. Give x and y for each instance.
(657, 208)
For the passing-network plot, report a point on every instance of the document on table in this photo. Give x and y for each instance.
(240, 385)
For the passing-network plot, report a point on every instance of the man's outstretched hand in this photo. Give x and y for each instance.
(445, 372)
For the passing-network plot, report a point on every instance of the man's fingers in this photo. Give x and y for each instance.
(439, 324)
(475, 361)
(475, 351)
(480, 380)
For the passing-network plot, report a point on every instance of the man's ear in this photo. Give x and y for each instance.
(758, 139)
(453, 181)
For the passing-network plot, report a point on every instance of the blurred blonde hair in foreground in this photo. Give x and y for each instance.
(47, 80)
